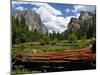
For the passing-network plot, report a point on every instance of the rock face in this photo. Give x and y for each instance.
(85, 16)
(76, 23)
(33, 20)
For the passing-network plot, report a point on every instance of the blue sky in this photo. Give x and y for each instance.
(53, 15)
(61, 7)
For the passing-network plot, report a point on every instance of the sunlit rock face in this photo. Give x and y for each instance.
(85, 19)
(73, 24)
(85, 16)
(32, 20)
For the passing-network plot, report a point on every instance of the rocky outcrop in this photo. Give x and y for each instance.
(33, 20)
(74, 24)
(85, 18)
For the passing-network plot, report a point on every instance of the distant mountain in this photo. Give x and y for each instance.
(85, 16)
(32, 20)
(75, 23)
(85, 25)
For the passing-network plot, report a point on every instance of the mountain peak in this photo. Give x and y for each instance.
(75, 23)
(32, 19)
(85, 15)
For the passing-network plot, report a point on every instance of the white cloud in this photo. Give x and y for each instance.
(50, 16)
(67, 10)
(49, 8)
(53, 26)
(45, 14)
(45, 5)
(77, 15)
(34, 9)
(20, 8)
(52, 21)
(78, 8)
(68, 19)
(20, 2)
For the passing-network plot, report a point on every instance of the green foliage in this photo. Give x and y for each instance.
(52, 35)
(56, 45)
(53, 43)
(65, 35)
(44, 40)
(51, 49)
(19, 31)
(25, 41)
(20, 71)
(87, 29)
(72, 38)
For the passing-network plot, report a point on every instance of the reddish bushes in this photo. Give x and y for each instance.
(84, 54)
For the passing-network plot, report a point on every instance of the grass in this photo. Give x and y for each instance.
(40, 49)
(20, 71)
(51, 49)
(52, 46)
(58, 46)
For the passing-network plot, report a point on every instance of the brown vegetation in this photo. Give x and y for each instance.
(83, 54)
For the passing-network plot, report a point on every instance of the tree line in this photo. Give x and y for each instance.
(21, 34)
